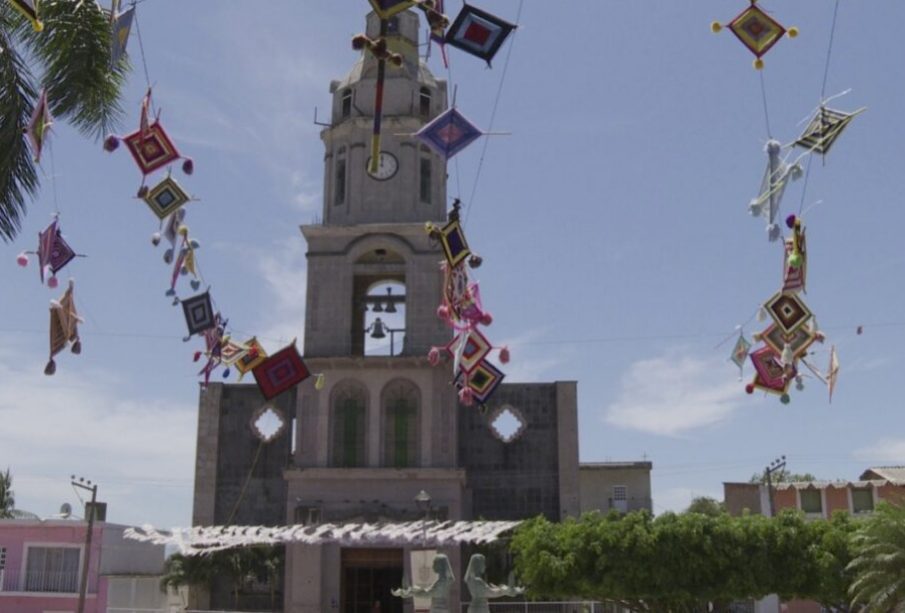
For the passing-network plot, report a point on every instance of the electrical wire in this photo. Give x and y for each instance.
(496, 104)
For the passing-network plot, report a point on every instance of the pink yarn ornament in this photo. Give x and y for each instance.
(486, 318)
(504, 355)
(443, 312)
(433, 356)
(22, 259)
(466, 396)
(197, 356)
(52, 282)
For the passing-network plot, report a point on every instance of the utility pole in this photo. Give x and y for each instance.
(776, 465)
(83, 585)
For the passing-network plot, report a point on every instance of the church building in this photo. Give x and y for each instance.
(385, 439)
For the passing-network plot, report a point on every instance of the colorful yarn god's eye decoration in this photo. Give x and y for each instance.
(150, 146)
(464, 313)
(478, 32)
(757, 31)
(64, 327)
(39, 126)
(53, 253)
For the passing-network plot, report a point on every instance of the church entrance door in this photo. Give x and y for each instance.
(368, 575)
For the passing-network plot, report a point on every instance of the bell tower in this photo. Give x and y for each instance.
(410, 183)
(373, 223)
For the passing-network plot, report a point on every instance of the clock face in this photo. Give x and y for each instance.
(387, 165)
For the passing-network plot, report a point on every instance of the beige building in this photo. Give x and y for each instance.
(615, 486)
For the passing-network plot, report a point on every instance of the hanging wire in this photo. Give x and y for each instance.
(826, 74)
(829, 52)
(763, 94)
(496, 103)
(53, 179)
(141, 49)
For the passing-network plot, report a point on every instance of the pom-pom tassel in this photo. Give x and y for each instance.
(188, 166)
(155, 239)
(111, 143)
(51, 367)
(22, 259)
(226, 373)
(504, 355)
(749, 389)
(433, 356)
(76, 347)
(486, 318)
(716, 27)
(53, 282)
(197, 356)
(443, 312)
(466, 396)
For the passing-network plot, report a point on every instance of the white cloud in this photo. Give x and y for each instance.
(530, 360)
(140, 452)
(285, 273)
(884, 450)
(674, 393)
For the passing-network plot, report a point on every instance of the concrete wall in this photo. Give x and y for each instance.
(520, 479)
(142, 594)
(739, 497)
(597, 481)
(125, 556)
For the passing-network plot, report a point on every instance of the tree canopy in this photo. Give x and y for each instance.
(879, 564)
(7, 498)
(71, 58)
(681, 562)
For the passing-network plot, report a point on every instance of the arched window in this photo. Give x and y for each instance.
(349, 416)
(339, 191)
(346, 102)
(400, 400)
(424, 104)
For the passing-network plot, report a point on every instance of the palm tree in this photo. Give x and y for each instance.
(72, 56)
(7, 498)
(879, 563)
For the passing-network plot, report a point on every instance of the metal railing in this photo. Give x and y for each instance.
(62, 582)
(571, 606)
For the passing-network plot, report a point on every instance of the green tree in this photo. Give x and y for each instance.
(7, 498)
(782, 476)
(683, 562)
(706, 506)
(72, 58)
(239, 566)
(879, 563)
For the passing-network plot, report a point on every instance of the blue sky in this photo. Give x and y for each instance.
(617, 246)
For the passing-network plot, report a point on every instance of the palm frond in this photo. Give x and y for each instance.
(74, 49)
(18, 178)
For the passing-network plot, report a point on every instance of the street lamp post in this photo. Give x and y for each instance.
(83, 585)
(776, 465)
(423, 501)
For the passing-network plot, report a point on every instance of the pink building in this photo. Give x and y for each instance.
(41, 564)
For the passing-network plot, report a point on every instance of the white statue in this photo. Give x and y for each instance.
(438, 591)
(480, 590)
